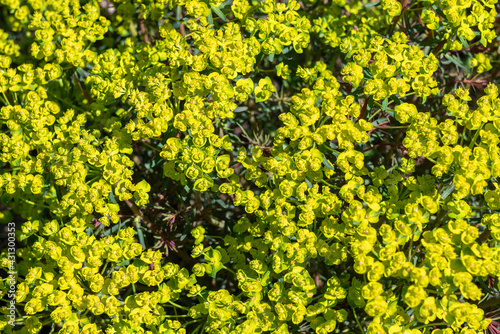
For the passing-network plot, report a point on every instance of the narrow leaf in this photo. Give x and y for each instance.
(139, 233)
(210, 19)
(380, 120)
(309, 184)
(455, 61)
(219, 13)
(385, 103)
(464, 41)
(448, 190)
(327, 164)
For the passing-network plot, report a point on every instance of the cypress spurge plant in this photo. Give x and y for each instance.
(250, 166)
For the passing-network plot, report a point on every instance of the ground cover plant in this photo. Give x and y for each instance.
(247, 166)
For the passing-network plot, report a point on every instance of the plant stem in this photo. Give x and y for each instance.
(104, 268)
(197, 328)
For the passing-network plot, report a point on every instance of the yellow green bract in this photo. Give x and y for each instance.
(314, 166)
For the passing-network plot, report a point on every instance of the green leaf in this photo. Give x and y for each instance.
(327, 164)
(219, 13)
(438, 10)
(455, 61)
(385, 103)
(371, 102)
(358, 91)
(309, 184)
(139, 233)
(265, 279)
(430, 42)
(380, 120)
(115, 228)
(372, 4)
(448, 190)
(286, 49)
(112, 198)
(240, 109)
(485, 287)
(333, 146)
(210, 19)
(125, 263)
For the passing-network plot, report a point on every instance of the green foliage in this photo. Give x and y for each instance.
(250, 166)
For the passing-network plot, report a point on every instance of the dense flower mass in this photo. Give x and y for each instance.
(250, 166)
